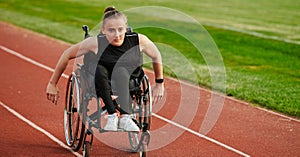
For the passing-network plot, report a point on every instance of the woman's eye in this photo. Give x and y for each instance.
(111, 30)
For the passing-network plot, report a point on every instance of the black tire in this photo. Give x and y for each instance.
(142, 109)
(87, 149)
(73, 124)
(142, 147)
(143, 150)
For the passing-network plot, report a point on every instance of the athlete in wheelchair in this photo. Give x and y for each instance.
(112, 66)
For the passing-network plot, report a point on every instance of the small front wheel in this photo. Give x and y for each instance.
(143, 150)
(87, 149)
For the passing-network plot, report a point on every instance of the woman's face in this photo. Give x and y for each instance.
(115, 29)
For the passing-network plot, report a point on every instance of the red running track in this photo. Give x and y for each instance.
(32, 126)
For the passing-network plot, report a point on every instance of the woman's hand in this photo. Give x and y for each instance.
(52, 93)
(158, 92)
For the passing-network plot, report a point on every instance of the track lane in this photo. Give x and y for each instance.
(13, 140)
(21, 139)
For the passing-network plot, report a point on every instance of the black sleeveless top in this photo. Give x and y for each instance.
(127, 55)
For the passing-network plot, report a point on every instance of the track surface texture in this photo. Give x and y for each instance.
(32, 126)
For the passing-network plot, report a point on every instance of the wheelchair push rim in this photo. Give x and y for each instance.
(73, 125)
(139, 140)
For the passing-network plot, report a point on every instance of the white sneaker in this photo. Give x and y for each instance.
(112, 122)
(127, 124)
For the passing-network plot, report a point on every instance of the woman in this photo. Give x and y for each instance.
(114, 25)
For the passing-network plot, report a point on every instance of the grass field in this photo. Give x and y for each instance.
(258, 40)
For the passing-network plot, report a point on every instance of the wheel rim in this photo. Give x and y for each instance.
(73, 125)
(143, 117)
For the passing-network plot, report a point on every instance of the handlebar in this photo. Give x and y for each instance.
(85, 28)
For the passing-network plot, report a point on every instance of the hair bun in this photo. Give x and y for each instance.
(110, 9)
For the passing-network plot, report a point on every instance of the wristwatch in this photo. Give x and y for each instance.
(159, 80)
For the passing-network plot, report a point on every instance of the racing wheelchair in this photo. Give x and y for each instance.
(80, 122)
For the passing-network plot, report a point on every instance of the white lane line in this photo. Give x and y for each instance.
(201, 135)
(29, 60)
(160, 117)
(53, 138)
(231, 98)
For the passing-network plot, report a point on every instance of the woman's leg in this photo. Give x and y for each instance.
(103, 88)
(120, 82)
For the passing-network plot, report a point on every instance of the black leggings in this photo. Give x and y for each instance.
(115, 81)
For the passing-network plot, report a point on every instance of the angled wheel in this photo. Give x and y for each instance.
(87, 149)
(87, 145)
(73, 124)
(142, 111)
(143, 148)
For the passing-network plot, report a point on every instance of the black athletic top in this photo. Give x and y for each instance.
(127, 55)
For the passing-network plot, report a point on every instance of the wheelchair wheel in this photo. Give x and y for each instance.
(87, 149)
(142, 111)
(141, 142)
(87, 144)
(73, 124)
(144, 146)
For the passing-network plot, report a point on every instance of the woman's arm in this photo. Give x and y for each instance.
(149, 48)
(74, 51)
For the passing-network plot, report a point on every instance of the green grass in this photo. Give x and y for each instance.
(262, 71)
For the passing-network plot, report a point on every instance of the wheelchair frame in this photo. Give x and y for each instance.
(78, 124)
